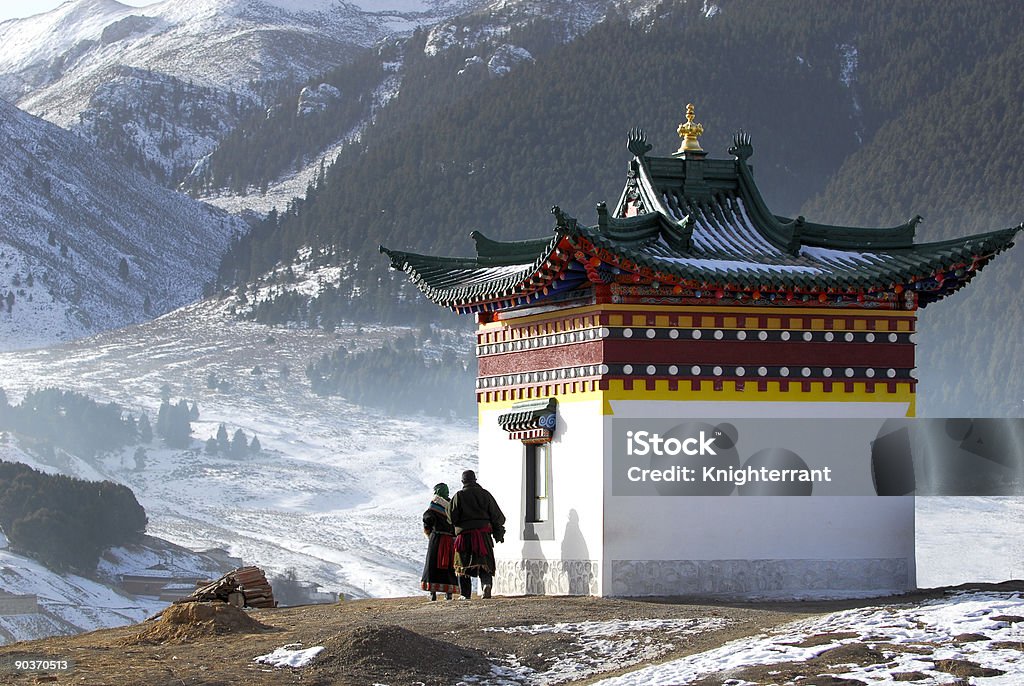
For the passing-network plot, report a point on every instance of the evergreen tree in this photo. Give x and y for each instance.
(239, 444)
(211, 446)
(162, 418)
(140, 458)
(223, 443)
(145, 429)
(122, 269)
(255, 446)
(173, 424)
(64, 522)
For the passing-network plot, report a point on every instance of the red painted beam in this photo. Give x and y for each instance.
(689, 352)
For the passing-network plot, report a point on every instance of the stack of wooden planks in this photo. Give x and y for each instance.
(255, 588)
(245, 586)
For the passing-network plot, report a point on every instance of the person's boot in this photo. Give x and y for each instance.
(447, 596)
(433, 596)
(487, 591)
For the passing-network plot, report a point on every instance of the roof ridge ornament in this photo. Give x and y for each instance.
(636, 142)
(741, 148)
(689, 132)
(563, 220)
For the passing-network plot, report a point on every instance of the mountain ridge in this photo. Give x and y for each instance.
(87, 244)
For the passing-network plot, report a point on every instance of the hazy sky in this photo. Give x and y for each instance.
(25, 8)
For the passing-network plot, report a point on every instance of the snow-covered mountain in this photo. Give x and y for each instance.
(53, 63)
(86, 244)
(97, 65)
(161, 84)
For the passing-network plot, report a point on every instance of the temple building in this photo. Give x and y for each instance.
(690, 299)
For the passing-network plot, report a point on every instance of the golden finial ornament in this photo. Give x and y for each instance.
(689, 133)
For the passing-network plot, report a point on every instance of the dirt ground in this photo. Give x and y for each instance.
(398, 641)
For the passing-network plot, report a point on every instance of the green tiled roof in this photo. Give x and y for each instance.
(702, 225)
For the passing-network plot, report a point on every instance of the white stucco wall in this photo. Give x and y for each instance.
(576, 491)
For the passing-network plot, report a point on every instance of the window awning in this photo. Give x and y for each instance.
(531, 421)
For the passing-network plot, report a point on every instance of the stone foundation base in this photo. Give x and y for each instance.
(752, 578)
(546, 577)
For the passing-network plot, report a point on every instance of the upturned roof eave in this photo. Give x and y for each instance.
(900, 266)
(503, 288)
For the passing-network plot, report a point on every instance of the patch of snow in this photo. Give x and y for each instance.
(598, 647)
(710, 9)
(589, 630)
(290, 655)
(929, 630)
(440, 38)
(316, 99)
(848, 57)
(506, 58)
(474, 63)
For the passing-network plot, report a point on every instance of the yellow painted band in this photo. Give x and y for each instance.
(904, 394)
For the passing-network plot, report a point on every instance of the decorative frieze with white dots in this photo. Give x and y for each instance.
(697, 334)
(696, 371)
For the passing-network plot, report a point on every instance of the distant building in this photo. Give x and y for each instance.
(690, 299)
(154, 584)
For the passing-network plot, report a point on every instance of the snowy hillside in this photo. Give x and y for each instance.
(337, 491)
(86, 244)
(159, 124)
(68, 603)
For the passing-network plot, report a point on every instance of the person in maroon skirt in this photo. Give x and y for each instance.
(439, 567)
(478, 522)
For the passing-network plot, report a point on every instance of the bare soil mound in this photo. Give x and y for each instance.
(190, 621)
(398, 654)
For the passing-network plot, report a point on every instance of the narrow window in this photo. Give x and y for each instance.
(538, 478)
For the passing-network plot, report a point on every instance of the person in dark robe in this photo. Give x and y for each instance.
(478, 524)
(439, 568)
